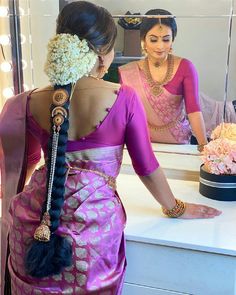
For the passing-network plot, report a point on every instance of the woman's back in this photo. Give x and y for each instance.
(89, 106)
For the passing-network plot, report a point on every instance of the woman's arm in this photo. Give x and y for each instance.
(147, 167)
(198, 128)
(192, 103)
(158, 186)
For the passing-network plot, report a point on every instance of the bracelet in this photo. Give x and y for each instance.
(177, 211)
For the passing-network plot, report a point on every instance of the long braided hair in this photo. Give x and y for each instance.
(49, 252)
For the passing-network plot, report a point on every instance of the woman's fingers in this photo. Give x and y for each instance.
(199, 211)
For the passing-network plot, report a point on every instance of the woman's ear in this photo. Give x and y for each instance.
(101, 60)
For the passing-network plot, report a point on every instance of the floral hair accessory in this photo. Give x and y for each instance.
(68, 59)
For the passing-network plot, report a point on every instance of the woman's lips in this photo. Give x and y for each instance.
(159, 52)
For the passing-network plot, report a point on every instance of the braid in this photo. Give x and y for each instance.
(49, 257)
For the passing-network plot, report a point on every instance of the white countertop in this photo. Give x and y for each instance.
(145, 222)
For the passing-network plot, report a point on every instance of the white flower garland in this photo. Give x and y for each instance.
(68, 59)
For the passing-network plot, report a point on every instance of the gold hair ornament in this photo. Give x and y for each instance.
(58, 113)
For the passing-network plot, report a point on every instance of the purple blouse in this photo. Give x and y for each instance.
(125, 123)
(185, 82)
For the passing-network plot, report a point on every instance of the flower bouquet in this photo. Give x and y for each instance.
(218, 172)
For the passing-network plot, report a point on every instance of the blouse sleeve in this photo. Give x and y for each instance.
(34, 149)
(137, 139)
(190, 88)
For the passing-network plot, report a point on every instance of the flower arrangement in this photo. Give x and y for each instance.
(68, 59)
(219, 155)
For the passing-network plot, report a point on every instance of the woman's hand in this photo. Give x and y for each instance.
(199, 211)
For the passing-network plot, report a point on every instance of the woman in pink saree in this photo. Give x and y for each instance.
(168, 87)
(62, 233)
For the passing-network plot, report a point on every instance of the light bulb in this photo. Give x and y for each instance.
(8, 92)
(22, 38)
(5, 39)
(21, 11)
(6, 66)
(3, 11)
(26, 87)
(24, 64)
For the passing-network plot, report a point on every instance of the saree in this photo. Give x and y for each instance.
(166, 117)
(166, 114)
(92, 219)
(13, 164)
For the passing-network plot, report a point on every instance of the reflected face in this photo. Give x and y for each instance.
(158, 42)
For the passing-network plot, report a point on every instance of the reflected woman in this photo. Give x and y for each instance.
(167, 85)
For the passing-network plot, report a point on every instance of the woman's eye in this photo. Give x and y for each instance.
(153, 40)
(166, 40)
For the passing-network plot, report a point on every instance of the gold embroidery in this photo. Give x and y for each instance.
(110, 180)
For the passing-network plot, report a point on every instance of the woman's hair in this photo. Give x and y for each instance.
(148, 23)
(96, 25)
(91, 22)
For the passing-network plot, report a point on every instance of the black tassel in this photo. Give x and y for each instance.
(44, 259)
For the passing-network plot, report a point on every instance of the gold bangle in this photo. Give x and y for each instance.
(201, 146)
(176, 211)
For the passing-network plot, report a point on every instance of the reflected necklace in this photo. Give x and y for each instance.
(156, 86)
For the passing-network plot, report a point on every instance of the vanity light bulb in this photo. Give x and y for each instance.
(8, 92)
(3, 11)
(24, 64)
(5, 39)
(26, 87)
(21, 11)
(6, 66)
(22, 38)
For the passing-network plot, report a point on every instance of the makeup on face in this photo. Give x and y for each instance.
(158, 41)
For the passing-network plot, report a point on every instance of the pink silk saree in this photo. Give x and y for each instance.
(165, 113)
(13, 165)
(168, 109)
(92, 218)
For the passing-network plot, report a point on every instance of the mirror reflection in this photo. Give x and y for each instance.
(168, 85)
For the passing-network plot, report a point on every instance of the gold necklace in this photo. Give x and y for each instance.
(157, 64)
(156, 86)
(94, 77)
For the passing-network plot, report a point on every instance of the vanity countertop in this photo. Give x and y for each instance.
(145, 222)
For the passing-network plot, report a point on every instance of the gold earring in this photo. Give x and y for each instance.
(144, 49)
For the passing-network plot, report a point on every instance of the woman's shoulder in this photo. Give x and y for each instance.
(184, 62)
(111, 85)
(186, 66)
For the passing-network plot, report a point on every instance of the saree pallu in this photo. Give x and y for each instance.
(92, 219)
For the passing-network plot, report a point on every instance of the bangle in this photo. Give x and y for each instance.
(176, 211)
(201, 146)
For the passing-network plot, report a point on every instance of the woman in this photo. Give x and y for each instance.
(65, 228)
(168, 86)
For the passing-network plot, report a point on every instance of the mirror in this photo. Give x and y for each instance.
(202, 38)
